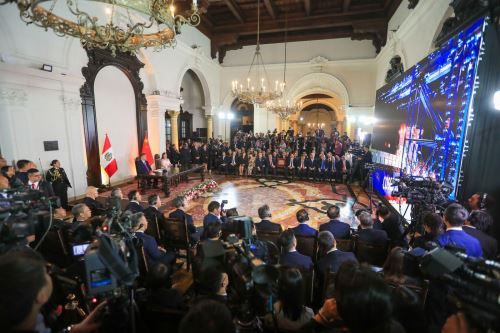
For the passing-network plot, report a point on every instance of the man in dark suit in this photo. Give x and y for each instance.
(454, 218)
(311, 166)
(290, 256)
(91, 194)
(392, 226)
(134, 206)
(367, 233)
(343, 169)
(265, 224)
(211, 251)
(303, 229)
(180, 214)
(215, 214)
(143, 169)
(322, 167)
(154, 253)
(476, 223)
(22, 170)
(290, 165)
(155, 218)
(261, 165)
(80, 230)
(339, 230)
(272, 164)
(35, 182)
(302, 167)
(185, 156)
(331, 258)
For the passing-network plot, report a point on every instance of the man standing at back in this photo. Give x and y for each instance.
(339, 230)
(454, 218)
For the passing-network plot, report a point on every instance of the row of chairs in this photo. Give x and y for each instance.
(373, 254)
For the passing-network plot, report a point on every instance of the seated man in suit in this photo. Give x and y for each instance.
(322, 168)
(311, 166)
(155, 217)
(303, 229)
(339, 230)
(134, 206)
(302, 170)
(265, 224)
(22, 170)
(211, 251)
(290, 256)
(226, 163)
(214, 215)
(476, 225)
(392, 226)
(154, 253)
(35, 182)
(143, 169)
(91, 194)
(290, 166)
(116, 192)
(343, 169)
(272, 164)
(261, 164)
(331, 257)
(180, 214)
(454, 218)
(367, 233)
(81, 229)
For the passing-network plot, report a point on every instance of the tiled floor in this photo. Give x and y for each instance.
(283, 197)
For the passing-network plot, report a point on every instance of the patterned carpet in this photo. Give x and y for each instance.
(283, 197)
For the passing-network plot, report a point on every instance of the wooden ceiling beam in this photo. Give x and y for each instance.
(307, 5)
(235, 9)
(270, 8)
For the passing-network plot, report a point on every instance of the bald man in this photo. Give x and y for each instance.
(91, 202)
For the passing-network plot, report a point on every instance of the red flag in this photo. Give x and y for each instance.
(108, 159)
(147, 150)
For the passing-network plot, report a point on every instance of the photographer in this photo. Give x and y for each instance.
(25, 287)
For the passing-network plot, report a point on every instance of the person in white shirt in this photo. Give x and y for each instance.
(165, 162)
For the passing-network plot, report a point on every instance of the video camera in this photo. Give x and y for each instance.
(23, 212)
(471, 284)
(421, 190)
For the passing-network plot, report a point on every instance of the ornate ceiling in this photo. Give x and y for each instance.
(232, 24)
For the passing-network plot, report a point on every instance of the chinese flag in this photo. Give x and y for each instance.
(146, 149)
(108, 159)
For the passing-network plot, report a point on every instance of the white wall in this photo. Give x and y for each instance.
(116, 116)
(194, 99)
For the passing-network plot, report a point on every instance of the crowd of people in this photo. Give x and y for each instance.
(337, 287)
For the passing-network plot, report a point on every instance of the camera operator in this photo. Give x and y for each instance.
(25, 287)
(154, 253)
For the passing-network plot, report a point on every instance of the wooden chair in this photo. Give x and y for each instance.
(345, 244)
(274, 252)
(271, 236)
(154, 228)
(177, 237)
(373, 254)
(307, 245)
(142, 260)
(308, 277)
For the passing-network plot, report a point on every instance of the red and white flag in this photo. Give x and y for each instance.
(108, 159)
(146, 149)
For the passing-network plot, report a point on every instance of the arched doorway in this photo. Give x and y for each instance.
(243, 118)
(129, 65)
(192, 122)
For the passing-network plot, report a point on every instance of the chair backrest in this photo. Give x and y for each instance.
(154, 228)
(308, 277)
(274, 252)
(176, 233)
(374, 254)
(271, 236)
(345, 244)
(142, 260)
(420, 290)
(328, 285)
(307, 245)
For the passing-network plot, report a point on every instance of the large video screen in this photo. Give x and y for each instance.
(422, 116)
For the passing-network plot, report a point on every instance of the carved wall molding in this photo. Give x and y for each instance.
(14, 97)
(71, 102)
(130, 66)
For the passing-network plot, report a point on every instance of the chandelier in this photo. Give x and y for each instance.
(281, 107)
(257, 89)
(117, 25)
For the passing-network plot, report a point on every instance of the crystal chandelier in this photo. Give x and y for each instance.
(117, 25)
(281, 107)
(257, 89)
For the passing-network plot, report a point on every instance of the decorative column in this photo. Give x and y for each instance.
(209, 127)
(174, 116)
(278, 123)
(157, 106)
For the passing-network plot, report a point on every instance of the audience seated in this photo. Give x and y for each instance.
(393, 271)
(180, 214)
(433, 226)
(331, 258)
(214, 215)
(116, 192)
(213, 284)
(368, 233)
(339, 230)
(391, 224)
(22, 170)
(475, 226)
(91, 202)
(289, 255)
(454, 218)
(211, 251)
(165, 290)
(81, 229)
(290, 311)
(154, 216)
(265, 224)
(303, 229)
(134, 205)
(154, 253)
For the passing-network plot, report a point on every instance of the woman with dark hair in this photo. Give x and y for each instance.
(290, 311)
(393, 269)
(59, 181)
(433, 226)
(165, 162)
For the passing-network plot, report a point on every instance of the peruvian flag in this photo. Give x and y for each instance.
(146, 149)
(108, 159)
